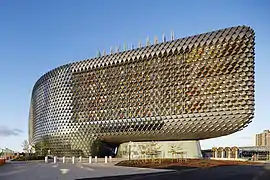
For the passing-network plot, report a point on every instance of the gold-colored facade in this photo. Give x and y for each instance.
(187, 89)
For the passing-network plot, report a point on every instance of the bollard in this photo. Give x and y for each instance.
(46, 159)
(64, 159)
(80, 159)
(73, 159)
(106, 159)
(54, 159)
(110, 159)
(90, 159)
(96, 161)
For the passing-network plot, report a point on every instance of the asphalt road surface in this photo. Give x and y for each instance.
(38, 170)
(247, 172)
(42, 171)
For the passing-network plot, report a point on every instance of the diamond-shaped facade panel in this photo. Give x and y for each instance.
(188, 89)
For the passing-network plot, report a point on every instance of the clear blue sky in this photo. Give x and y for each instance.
(37, 36)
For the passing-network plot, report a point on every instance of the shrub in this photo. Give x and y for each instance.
(29, 158)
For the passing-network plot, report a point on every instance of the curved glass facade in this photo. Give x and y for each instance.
(187, 89)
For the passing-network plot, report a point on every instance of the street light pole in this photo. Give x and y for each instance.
(6, 153)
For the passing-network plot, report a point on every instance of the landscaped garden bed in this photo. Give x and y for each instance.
(188, 163)
(28, 158)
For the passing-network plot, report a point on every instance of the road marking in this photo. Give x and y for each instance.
(54, 166)
(64, 171)
(87, 168)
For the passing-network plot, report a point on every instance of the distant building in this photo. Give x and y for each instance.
(246, 152)
(263, 139)
(6, 152)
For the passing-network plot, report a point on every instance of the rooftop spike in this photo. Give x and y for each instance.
(163, 37)
(147, 41)
(125, 46)
(139, 44)
(111, 50)
(172, 35)
(98, 53)
(104, 53)
(155, 40)
(117, 49)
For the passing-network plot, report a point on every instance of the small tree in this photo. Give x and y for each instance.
(153, 150)
(43, 146)
(172, 150)
(25, 146)
(142, 150)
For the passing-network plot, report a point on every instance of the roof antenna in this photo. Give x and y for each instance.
(139, 44)
(163, 37)
(147, 41)
(111, 50)
(117, 49)
(172, 35)
(155, 40)
(125, 46)
(98, 53)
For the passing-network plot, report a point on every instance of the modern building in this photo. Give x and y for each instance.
(263, 139)
(176, 92)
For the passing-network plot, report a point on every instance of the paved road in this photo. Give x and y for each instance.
(40, 171)
(217, 173)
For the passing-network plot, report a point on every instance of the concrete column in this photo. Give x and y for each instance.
(46, 159)
(73, 159)
(215, 154)
(54, 159)
(80, 159)
(96, 160)
(90, 159)
(110, 159)
(236, 153)
(64, 159)
(222, 154)
(106, 159)
(229, 154)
